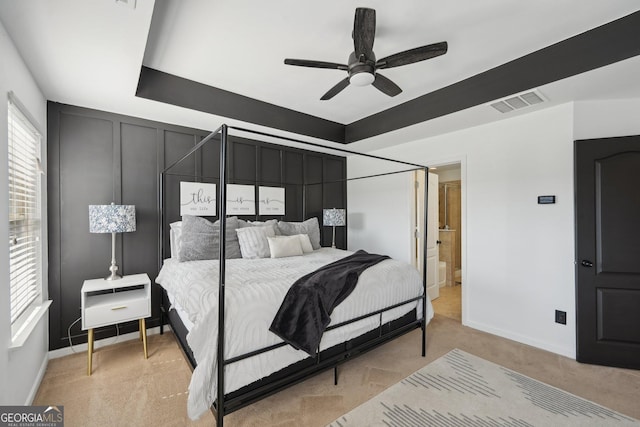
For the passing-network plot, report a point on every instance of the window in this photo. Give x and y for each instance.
(25, 248)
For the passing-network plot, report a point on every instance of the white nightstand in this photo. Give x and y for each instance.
(129, 299)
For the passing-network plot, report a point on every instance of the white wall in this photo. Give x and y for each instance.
(20, 368)
(379, 212)
(518, 256)
(604, 119)
(448, 175)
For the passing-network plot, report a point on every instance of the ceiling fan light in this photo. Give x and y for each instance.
(361, 79)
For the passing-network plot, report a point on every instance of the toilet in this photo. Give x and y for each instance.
(442, 274)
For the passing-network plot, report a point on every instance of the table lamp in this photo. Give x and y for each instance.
(333, 218)
(112, 219)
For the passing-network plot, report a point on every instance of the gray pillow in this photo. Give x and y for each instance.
(198, 246)
(201, 239)
(270, 222)
(309, 227)
(254, 241)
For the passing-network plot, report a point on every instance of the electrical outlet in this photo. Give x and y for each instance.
(561, 317)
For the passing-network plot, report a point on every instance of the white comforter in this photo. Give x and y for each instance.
(254, 291)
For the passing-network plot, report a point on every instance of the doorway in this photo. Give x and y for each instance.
(450, 241)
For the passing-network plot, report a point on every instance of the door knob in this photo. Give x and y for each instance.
(586, 263)
(439, 242)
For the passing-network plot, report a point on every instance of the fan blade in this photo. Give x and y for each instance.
(386, 86)
(364, 31)
(315, 64)
(336, 89)
(413, 55)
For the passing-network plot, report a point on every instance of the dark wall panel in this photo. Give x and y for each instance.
(211, 161)
(243, 163)
(313, 192)
(97, 157)
(270, 169)
(139, 177)
(294, 185)
(82, 255)
(175, 145)
(334, 195)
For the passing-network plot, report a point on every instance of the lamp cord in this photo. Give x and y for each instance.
(76, 321)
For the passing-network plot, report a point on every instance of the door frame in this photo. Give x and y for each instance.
(418, 223)
(462, 160)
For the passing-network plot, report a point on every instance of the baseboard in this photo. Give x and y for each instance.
(36, 384)
(563, 351)
(82, 348)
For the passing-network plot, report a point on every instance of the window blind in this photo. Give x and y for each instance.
(25, 257)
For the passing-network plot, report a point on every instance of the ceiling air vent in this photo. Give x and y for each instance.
(518, 101)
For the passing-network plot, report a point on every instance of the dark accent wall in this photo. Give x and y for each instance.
(97, 157)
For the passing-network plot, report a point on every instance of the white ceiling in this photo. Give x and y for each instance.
(89, 52)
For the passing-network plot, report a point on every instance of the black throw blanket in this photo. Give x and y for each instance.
(306, 309)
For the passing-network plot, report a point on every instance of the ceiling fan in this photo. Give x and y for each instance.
(362, 66)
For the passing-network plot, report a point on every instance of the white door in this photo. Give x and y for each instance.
(432, 236)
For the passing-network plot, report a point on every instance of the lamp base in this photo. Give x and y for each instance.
(113, 269)
(333, 239)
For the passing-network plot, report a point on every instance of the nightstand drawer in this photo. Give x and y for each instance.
(107, 309)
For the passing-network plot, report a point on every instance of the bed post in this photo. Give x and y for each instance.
(424, 262)
(222, 209)
(161, 240)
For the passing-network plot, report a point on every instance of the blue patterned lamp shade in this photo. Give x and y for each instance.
(333, 217)
(112, 218)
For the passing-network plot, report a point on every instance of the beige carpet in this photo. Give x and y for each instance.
(460, 389)
(126, 390)
(449, 303)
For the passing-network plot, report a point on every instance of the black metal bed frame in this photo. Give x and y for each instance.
(328, 358)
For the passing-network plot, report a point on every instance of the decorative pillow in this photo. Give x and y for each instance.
(200, 239)
(305, 243)
(253, 241)
(271, 223)
(175, 235)
(231, 244)
(284, 246)
(199, 246)
(309, 227)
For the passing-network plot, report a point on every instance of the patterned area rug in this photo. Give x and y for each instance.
(460, 389)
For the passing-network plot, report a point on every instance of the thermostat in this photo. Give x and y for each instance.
(546, 200)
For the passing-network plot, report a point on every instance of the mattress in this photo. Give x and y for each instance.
(254, 290)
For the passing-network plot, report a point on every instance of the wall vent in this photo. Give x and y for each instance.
(518, 101)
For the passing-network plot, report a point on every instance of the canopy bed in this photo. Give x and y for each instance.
(227, 285)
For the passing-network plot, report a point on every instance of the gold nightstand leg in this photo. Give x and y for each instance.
(140, 328)
(89, 351)
(143, 330)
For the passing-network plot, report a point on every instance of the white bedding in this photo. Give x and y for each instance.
(254, 291)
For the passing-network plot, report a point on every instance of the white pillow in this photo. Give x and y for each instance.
(175, 236)
(305, 243)
(284, 246)
(253, 241)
